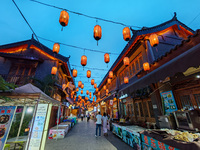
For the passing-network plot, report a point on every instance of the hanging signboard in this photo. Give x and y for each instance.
(169, 102)
(115, 110)
(111, 102)
(38, 127)
(6, 117)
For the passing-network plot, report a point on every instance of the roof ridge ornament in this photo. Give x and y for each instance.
(174, 17)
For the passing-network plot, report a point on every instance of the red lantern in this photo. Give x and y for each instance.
(64, 18)
(97, 33)
(126, 80)
(104, 87)
(87, 92)
(153, 38)
(83, 60)
(82, 85)
(86, 98)
(92, 82)
(64, 86)
(81, 91)
(97, 89)
(72, 93)
(126, 61)
(77, 89)
(111, 74)
(88, 74)
(74, 73)
(126, 34)
(146, 66)
(95, 85)
(79, 84)
(56, 48)
(90, 93)
(107, 91)
(108, 80)
(90, 97)
(98, 93)
(106, 58)
(71, 96)
(54, 70)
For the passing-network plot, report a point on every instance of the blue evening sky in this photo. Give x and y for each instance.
(79, 32)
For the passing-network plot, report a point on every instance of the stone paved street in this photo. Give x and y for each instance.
(82, 137)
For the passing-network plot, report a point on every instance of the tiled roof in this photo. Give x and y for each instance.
(145, 30)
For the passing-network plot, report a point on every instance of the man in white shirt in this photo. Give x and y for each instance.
(98, 124)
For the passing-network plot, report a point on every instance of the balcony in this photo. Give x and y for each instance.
(17, 79)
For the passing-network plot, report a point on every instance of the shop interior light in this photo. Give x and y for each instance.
(29, 109)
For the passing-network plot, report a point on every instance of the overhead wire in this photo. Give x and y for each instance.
(89, 68)
(85, 49)
(81, 14)
(194, 18)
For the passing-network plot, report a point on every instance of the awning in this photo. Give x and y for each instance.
(190, 58)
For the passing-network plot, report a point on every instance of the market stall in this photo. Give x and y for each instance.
(129, 134)
(28, 110)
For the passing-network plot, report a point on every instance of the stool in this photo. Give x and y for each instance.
(7, 146)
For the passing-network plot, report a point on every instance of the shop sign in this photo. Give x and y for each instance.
(6, 117)
(169, 101)
(111, 102)
(38, 126)
(123, 96)
(149, 142)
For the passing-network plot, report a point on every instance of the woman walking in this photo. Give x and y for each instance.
(105, 122)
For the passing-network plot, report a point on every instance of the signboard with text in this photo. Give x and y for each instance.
(6, 117)
(38, 127)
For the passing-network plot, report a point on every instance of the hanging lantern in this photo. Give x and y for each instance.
(126, 34)
(98, 93)
(90, 97)
(77, 89)
(126, 80)
(97, 89)
(81, 91)
(64, 86)
(88, 74)
(83, 60)
(111, 74)
(79, 84)
(97, 33)
(126, 61)
(64, 18)
(108, 80)
(92, 82)
(86, 98)
(106, 58)
(72, 93)
(93, 98)
(153, 38)
(146, 66)
(71, 96)
(104, 87)
(107, 91)
(87, 92)
(95, 85)
(82, 85)
(54, 70)
(90, 93)
(56, 48)
(74, 73)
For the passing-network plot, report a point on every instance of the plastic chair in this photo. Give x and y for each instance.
(7, 146)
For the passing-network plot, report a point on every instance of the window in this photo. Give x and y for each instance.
(186, 102)
(137, 65)
(145, 109)
(197, 97)
(133, 68)
(151, 109)
(141, 110)
(141, 62)
(130, 71)
(137, 109)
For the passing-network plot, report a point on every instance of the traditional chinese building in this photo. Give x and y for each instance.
(31, 62)
(156, 67)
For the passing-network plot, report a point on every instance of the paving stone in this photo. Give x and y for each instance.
(82, 137)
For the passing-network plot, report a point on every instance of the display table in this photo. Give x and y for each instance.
(129, 134)
(166, 142)
(58, 132)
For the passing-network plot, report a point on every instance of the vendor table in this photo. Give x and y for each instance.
(58, 132)
(156, 141)
(129, 134)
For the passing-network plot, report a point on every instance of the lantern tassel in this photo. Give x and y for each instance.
(107, 65)
(97, 43)
(62, 28)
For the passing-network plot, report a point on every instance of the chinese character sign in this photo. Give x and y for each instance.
(6, 116)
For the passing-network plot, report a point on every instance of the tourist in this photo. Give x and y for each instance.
(105, 123)
(98, 124)
(88, 117)
(82, 117)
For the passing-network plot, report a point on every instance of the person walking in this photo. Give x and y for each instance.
(105, 122)
(88, 117)
(82, 117)
(98, 124)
